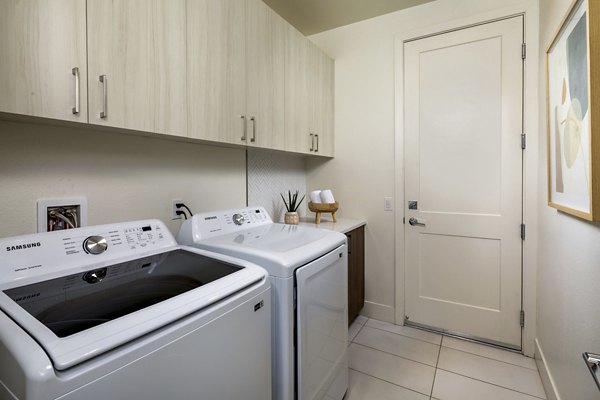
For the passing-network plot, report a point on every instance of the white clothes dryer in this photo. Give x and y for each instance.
(308, 272)
(122, 311)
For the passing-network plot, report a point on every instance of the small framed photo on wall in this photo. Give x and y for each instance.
(573, 112)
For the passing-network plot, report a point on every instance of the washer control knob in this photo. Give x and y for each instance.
(95, 245)
(238, 219)
(94, 276)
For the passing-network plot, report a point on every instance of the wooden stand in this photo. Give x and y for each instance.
(323, 208)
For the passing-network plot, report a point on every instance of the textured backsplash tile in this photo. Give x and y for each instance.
(270, 174)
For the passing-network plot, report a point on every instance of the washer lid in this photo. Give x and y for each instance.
(79, 316)
(278, 248)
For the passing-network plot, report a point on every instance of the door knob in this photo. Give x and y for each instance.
(416, 222)
(593, 363)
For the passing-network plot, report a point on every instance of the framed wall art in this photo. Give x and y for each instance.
(573, 112)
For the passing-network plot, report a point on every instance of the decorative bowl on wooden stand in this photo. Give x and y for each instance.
(323, 208)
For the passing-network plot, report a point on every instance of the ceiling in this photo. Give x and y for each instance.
(314, 16)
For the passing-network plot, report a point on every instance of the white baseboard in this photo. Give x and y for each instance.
(378, 311)
(547, 380)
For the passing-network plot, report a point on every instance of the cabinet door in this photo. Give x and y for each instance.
(216, 60)
(322, 111)
(265, 76)
(356, 272)
(42, 42)
(298, 89)
(139, 47)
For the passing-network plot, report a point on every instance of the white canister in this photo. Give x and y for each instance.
(327, 196)
(315, 196)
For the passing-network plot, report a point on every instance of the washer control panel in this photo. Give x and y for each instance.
(47, 252)
(221, 222)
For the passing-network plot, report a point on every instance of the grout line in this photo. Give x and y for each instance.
(383, 380)
(357, 332)
(410, 337)
(490, 358)
(394, 355)
(493, 384)
(436, 368)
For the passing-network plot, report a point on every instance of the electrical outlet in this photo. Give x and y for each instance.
(174, 209)
(63, 213)
(387, 204)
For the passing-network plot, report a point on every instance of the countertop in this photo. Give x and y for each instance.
(342, 225)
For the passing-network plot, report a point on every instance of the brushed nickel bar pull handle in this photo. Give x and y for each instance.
(312, 142)
(317, 149)
(104, 112)
(75, 72)
(253, 139)
(243, 138)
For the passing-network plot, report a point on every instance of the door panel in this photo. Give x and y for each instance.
(265, 76)
(474, 132)
(322, 327)
(139, 46)
(480, 278)
(216, 60)
(297, 93)
(43, 40)
(463, 165)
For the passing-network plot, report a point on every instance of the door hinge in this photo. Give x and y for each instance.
(522, 231)
(523, 141)
(404, 220)
(523, 51)
(522, 318)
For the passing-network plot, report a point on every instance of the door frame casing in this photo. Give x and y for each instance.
(530, 11)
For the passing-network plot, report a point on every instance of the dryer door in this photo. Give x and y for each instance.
(322, 327)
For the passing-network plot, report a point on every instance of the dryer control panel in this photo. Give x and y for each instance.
(49, 252)
(206, 225)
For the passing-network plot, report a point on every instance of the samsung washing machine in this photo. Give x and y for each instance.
(308, 270)
(122, 311)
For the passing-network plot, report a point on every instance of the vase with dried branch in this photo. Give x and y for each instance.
(291, 205)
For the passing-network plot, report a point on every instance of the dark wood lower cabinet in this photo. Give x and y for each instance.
(356, 272)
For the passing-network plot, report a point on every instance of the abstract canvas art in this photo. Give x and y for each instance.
(571, 138)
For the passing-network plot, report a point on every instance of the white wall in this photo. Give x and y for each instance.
(568, 268)
(123, 177)
(363, 171)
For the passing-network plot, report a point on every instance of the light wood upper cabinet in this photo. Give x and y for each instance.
(138, 47)
(265, 79)
(42, 42)
(227, 71)
(322, 102)
(236, 55)
(308, 97)
(298, 88)
(216, 61)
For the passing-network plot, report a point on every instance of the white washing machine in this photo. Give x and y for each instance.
(123, 312)
(308, 272)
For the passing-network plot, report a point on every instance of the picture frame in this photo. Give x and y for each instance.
(573, 112)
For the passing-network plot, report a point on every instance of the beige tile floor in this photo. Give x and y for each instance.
(389, 362)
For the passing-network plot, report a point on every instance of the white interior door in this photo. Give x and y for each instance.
(463, 168)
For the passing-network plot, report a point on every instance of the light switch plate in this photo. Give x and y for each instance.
(387, 204)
